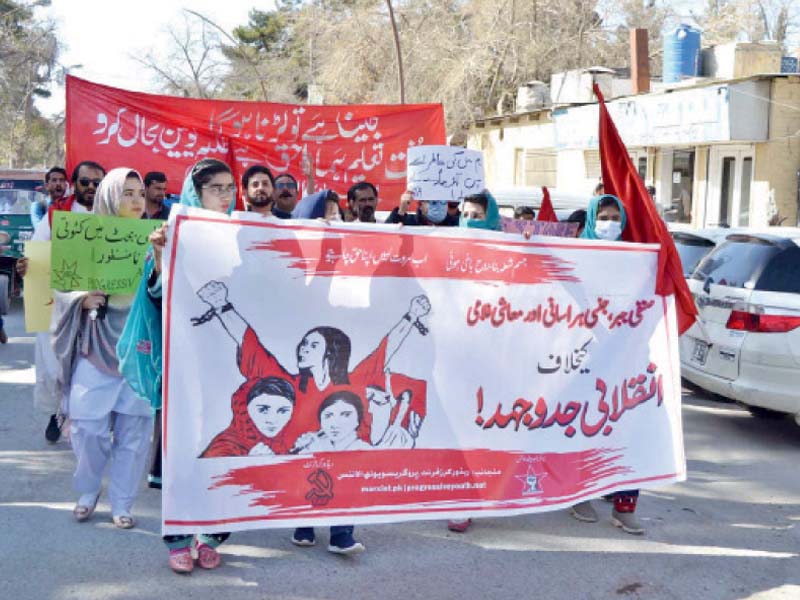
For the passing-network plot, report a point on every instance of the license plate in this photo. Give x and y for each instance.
(700, 352)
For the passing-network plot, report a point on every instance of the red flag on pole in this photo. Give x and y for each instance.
(546, 212)
(645, 225)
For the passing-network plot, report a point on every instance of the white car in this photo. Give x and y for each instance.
(747, 292)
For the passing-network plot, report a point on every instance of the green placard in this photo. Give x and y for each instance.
(90, 252)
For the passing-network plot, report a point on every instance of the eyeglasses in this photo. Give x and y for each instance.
(220, 190)
(85, 181)
(285, 185)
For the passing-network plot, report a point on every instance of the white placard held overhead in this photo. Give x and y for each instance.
(444, 172)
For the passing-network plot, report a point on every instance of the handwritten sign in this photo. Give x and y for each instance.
(539, 227)
(38, 295)
(444, 172)
(98, 253)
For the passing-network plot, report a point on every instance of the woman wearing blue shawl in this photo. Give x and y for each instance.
(480, 211)
(209, 185)
(315, 206)
(606, 220)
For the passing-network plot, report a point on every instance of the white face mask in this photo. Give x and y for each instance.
(437, 211)
(608, 230)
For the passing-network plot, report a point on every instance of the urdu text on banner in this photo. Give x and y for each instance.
(347, 143)
(363, 374)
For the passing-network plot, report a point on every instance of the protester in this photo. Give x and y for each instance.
(429, 213)
(155, 192)
(598, 189)
(96, 397)
(209, 185)
(579, 217)
(55, 184)
(525, 213)
(362, 200)
(258, 188)
(285, 196)
(453, 211)
(320, 205)
(605, 220)
(86, 176)
(479, 211)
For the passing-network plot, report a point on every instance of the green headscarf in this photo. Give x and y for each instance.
(591, 216)
(492, 220)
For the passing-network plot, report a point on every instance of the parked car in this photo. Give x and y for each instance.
(747, 291)
(18, 189)
(694, 244)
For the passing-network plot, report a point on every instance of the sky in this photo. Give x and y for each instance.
(102, 35)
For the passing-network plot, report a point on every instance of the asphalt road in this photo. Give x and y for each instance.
(731, 531)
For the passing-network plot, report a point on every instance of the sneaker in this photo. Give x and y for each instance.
(459, 526)
(345, 543)
(303, 536)
(52, 432)
(154, 482)
(3, 336)
(627, 521)
(584, 511)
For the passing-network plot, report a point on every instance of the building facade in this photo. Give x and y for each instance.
(716, 152)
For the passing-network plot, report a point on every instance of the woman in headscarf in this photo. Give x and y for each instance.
(96, 396)
(606, 220)
(208, 185)
(260, 416)
(479, 211)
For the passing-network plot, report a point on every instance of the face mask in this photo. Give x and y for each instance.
(608, 230)
(437, 211)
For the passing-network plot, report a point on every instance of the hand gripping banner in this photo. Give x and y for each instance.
(346, 144)
(321, 374)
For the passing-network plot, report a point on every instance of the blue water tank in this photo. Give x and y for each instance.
(681, 53)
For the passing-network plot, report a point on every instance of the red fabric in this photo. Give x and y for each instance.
(60, 204)
(645, 225)
(546, 212)
(148, 132)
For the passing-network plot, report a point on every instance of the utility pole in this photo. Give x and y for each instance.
(400, 75)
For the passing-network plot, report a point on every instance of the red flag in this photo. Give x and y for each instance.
(645, 225)
(546, 212)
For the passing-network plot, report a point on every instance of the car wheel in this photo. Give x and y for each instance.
(5, 291)
(765, 413)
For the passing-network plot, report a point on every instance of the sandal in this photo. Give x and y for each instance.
(207, 557)
(123, 521)
(83, 512)
(180, 561)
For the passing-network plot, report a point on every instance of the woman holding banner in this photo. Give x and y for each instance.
(208, 185)
(478, 211)
(97, 398)
(605, 220)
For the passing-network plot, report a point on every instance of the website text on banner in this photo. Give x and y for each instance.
(347, 144)
(318, 374)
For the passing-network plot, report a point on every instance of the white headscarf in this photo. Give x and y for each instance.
(109, 193)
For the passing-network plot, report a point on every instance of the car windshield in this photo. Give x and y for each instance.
(18, 202)
(692, 250)
(737, 263)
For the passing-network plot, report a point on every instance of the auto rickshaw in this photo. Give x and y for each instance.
(18, 190)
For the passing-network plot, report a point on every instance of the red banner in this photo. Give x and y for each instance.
(347, 144)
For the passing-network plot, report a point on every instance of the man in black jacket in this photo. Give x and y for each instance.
(430, 213)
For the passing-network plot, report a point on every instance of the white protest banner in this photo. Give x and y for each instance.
(444, 172)
(343, 374)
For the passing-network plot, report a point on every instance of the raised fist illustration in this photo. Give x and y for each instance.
(420, 306)
(214, 293)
